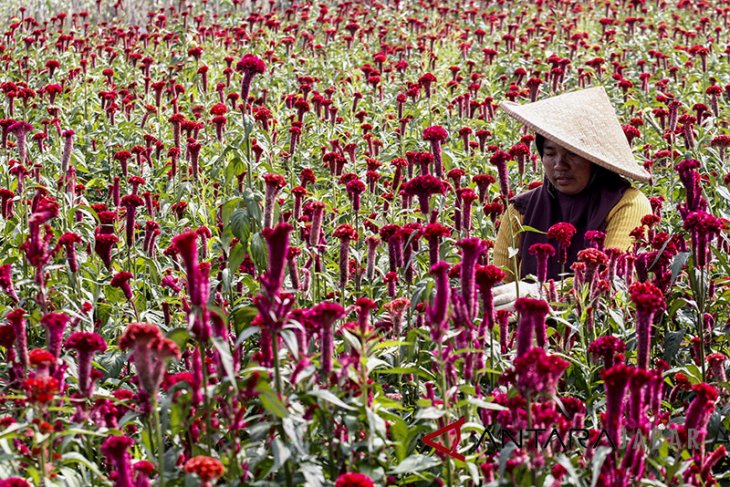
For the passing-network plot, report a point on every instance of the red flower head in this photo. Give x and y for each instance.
(423, 187)
(542, 251)
(537, 373)
(103, 245)
(648, 299)
(435, 133)
(351, 479)
(499, 159)
(250, 64)
(205, 467)
(41, 389)
(121, 280)
(487, 276)
(532, 319)
(562, 233)
(607, 347)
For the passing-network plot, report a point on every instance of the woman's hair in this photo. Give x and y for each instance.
(540, 143)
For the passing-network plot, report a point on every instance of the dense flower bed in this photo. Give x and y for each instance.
(251, 243)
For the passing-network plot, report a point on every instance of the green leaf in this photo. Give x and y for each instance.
(679, 261)
(326, 395)
(313, 474)
(270, 402)
(597, 463)
(672, 344)
(280, 451)
(259, 252)
(246, 334)
(238, 253)
(224, 352)
(239, 224)
(180, 336)
(486, 405)
(528, 228)
(415, 463)
(430, 413)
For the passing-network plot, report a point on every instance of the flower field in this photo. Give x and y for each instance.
(250, 243)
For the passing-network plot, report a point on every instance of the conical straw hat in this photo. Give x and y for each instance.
(585, 123)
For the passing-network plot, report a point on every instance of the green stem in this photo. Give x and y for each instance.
(160, 441)
(206, 401)
(701, 322)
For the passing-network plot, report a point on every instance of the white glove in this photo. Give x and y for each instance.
(506, 294)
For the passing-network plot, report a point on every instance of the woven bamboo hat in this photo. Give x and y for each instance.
(585, 123)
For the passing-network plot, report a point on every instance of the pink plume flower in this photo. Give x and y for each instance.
(436, 135)
(326, 314)
(648, 299)
(532, 320)
(86, 344)
(115, 449)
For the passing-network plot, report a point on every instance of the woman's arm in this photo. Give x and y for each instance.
(624, 217)
(504, 241)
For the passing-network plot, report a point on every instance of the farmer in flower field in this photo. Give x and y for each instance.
(586, 159)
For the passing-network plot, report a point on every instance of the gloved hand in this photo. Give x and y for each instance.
(506, 294)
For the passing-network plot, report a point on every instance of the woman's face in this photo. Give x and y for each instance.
(568, 172)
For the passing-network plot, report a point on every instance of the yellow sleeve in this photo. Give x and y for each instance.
(624, 217)
(508, 237)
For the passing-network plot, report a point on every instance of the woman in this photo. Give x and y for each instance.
(586, 157)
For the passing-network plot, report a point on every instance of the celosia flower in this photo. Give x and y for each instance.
(345, 233)
(68, 240)
(115, 449)
(103, 245)
(487, 277)
(68, 147)
(562, 233)
(6, 282)
(648, 300)
(717, 361)
(42, 361)
(208, 469)
(277, 240)
(424, 187)
(131, 202)
(536, 373)
(352, 479)
(483, 181)
(249, 65)
(532, 320)
(17, 320)
(150, 353)
(316, 230)
(436, 135)
(326, 314)
(55, 323)
(606, 347)
(86, 344)
(434, 232)
(499, 159)
(41, 389)
(471, 248)
(615, 381)
(121, 280)
(593, 260)
(20, 129)
(396, 310)
(186, 247)
(698, 414)
(703, 228)
(274, 184)
(354, 189)
(438, 312)
(542, 252)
